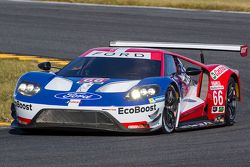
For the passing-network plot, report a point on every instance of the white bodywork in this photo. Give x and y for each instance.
(126, 117)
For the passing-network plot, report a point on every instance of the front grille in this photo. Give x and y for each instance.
(79, 118)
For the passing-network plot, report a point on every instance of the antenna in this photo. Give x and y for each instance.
(202, 57)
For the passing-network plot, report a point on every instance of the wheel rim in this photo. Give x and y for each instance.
(231, 101)
(169, 120)
(171, 105)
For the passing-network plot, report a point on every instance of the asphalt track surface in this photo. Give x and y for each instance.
(65, 31)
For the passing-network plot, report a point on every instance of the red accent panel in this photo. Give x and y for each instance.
(156, 56)
(86, 53)
(192, 113)
(199, 85)
(142, 124)
(244, 50)
(98, 49)
(24, 120)
(162, 67)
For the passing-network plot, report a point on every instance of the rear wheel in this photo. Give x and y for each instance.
(231, 102)
(170, 110)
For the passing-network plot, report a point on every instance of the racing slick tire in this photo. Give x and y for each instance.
(170, 110)
(231, 102)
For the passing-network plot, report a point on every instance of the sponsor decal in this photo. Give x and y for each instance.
(214, 109)
(216, 85)
(23, 106)
(80, 96)
(93, 80)
(136, 109)
(138, 55)
(218, 109)
(218, 71)
(74, 102)
(219, 119)
(221, 109)
(85, 87)
(137, 126)
(156, 99)
(244, 51)
(221, 87)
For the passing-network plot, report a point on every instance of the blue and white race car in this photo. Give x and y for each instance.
(129, 89)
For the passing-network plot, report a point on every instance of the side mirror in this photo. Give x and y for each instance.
(46, 66)
(193, 71)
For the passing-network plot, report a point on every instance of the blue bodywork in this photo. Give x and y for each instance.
(105, 99)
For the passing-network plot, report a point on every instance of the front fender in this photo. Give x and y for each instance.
(39, 78)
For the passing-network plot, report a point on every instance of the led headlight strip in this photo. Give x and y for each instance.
(143, 92)
(28, 89)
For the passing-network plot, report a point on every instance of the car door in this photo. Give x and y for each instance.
(176, 71)
(191, 106)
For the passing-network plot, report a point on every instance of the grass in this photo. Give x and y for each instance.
(227, 5)
(10, 71)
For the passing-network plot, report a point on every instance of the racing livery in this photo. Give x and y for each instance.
(130, 87)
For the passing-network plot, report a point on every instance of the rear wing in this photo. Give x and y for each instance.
(243, 49)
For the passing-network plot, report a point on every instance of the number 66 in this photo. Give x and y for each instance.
(217, 97)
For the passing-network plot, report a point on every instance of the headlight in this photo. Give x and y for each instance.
(143, 92)
(28, 89)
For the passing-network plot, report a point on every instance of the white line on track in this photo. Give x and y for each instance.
(4, 127)
(126, 6)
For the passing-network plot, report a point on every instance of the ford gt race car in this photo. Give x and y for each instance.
(130, 87)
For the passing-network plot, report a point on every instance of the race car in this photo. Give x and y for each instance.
(130, 87)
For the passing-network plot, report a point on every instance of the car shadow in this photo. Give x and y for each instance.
(87, 132)
(75, 132)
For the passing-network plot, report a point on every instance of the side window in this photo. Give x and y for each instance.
(180, 66)
(169, 63)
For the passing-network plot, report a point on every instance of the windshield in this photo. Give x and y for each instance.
(100, 67)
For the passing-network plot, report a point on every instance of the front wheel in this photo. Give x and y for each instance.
(231, 102)
(170, 110)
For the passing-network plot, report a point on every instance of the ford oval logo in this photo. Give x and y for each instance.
(81, 96)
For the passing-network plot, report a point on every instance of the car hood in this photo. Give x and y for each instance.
(101, 85)
(58, 90)
(61, 91)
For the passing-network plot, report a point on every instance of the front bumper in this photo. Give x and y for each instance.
(74, 119)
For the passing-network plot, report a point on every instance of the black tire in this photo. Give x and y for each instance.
(170, 110)
(231, 103)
